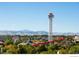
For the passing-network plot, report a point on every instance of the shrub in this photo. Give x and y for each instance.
(10, 49)
(74, 50)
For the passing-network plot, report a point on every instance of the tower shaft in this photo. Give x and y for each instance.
(50, 29)
(50, 16)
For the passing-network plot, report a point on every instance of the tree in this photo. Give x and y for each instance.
(41, 48)
(63, 51)
(30, 49)
(10, 49)
(53, 47)
(8, 41)
(22, 49)
(74, 50)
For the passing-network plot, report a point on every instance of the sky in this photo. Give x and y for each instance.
(34, 16)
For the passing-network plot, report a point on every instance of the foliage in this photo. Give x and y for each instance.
(30, 49)
(65, 46)
(22, 49)
(10, 49)
(63, 51)
(41, 48)
(8, 41)
(74, 49)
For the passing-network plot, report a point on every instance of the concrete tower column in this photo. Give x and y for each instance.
(50, 16)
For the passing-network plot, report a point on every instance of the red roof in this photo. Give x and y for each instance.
(51, 41)
(46, 42)
(61, 38)
(42, 43)
(35, 44)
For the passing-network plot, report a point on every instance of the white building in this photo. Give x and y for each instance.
(76, 38)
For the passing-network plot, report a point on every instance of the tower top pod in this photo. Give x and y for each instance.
(50, 15)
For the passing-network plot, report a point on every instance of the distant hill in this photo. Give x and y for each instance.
(27, 32)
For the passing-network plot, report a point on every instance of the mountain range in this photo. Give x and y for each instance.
(28, 32)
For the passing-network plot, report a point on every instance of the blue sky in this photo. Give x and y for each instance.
(34, 16)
